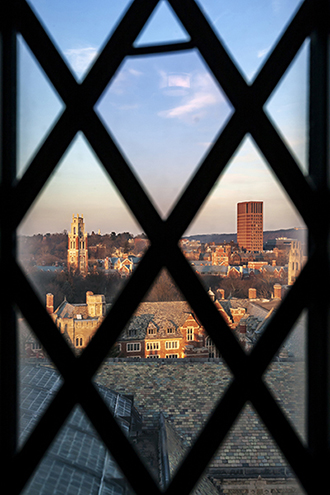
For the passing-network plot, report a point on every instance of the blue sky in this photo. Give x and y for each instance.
(164, 112)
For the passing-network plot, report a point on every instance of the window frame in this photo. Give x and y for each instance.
(137, 344)
(152, 345)
(172, 344)
(309, 462)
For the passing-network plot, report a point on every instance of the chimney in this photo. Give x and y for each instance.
(50, 303)
(242, 327)
(221, 293)
(242, 333)
(88, 293)
(252, 293)
(277, 291)
(211, 294)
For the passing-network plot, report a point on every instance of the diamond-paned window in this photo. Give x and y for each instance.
(308, 192)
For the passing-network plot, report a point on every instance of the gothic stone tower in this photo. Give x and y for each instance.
(295, 262)
(77, 246)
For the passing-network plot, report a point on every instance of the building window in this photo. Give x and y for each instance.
(153, 356)
(36, 346)
(151, 331)
(132, 333)
(79, 342)
(170, 330)
(172, 356)
(212, 349)
(133, 347)
(190, 334)
(172, 344)
(151, 346)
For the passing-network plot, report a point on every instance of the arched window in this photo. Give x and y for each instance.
(213, 351)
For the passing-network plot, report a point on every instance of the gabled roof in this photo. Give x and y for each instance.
(68, 310)
(163, 315)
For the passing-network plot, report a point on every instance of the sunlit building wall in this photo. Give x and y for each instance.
(250, 225)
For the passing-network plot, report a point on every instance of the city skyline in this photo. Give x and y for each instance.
(165, 113)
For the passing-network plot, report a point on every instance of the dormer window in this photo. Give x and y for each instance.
(170, 330)
(132, 333)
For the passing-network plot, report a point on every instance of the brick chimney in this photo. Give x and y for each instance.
(252, 293)
(242, 333)
(50, 303)
(277, 291)
(242, 327)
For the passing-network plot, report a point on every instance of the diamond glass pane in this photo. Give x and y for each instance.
(165, 113)
(288, 107)
(39, 106)
(250, 31)
(73, 28)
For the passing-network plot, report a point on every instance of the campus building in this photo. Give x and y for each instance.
(78, 322)
(157, 330)
(250, 225)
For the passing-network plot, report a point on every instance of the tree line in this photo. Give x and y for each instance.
(49, 249)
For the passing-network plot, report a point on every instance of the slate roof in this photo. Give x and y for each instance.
(68, 310)
(49, 268)
(77, 461)
(163, 315)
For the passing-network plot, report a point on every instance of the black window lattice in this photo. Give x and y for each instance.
(309, 195)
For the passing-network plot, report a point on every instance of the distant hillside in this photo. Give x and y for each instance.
(299, 234)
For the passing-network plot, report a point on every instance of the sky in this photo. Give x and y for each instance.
(164, 112)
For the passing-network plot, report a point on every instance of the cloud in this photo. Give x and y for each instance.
(81, 58)
(198, 102)
(134, 72)
(202, 95)
(172, 79)
(123, 80)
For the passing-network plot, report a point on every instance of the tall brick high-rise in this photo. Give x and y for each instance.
(77, 246)
(250, 225)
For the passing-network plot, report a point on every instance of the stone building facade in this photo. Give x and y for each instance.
(221, 255)
(295, 261)
(159, 330)
(79, 322)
